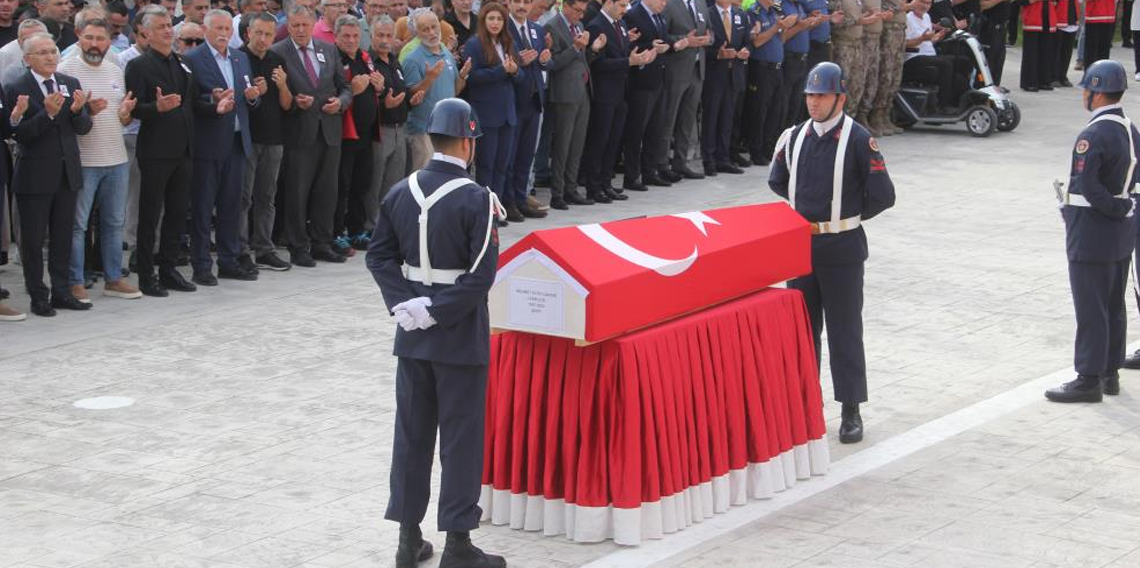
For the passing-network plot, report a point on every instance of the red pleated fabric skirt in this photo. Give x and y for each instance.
(648, 433)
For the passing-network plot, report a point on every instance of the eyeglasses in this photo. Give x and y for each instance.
(44, 52)
(192, 40)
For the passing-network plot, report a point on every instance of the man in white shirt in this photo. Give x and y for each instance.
(12, 63)
(104, 159)
(923, 64)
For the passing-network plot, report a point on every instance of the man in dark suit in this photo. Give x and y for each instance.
(221, 145)
(313, 128)
(730, 29)
(684, 76)
(167, 98)
(530, 96)
(644, 93)
(49, 110)
(571, 53)
(607, 108)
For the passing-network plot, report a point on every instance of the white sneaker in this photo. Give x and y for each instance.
(9, 314)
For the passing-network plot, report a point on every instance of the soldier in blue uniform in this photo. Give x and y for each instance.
(1100, 228)
(434, 272)
(830, 170)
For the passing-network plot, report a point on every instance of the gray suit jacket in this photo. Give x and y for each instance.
(301, 127)
(679, 22)
(567, 66)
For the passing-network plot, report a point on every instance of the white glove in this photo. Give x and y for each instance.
(405, 320)
(417, 308)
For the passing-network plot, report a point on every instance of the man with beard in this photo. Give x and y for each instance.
(103, 155)
(8, 24)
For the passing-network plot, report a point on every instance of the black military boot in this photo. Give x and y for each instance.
(460, 553)
(1132, 361)
(1110, 383)
(1085, 388)
(851, 428)
(413, 548)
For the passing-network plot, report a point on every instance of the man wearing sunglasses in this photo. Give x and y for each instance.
(190, 35)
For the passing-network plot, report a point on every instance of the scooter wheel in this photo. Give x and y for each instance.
(981, 121)
(1011, 119)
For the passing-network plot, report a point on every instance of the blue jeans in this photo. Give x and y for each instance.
(107, 186)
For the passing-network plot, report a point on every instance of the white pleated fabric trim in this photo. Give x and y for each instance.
(656, 519)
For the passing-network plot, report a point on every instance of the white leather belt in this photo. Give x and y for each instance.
(438, 275)
(831, 227)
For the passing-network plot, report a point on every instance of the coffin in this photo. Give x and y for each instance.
(597, 281)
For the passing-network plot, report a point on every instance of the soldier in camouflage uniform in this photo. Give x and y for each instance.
(872, 36)
(892, 53)
(847, 49)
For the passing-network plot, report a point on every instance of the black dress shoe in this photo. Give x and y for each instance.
(413, 548)
(204, 278)
(4, 294)
(1045, 87)
(573, 198)
(237, 273)
(530, 212)
(461, 553)
(302, 258)
(514, 215)
(152, 287)
(171, 279)
(740, 161)
(1030, 89)
(710, 170)
(600, 197)
(634, 185)
(851, 427)
(670, 176)
(728, 169)
(654, 179)
(69, 302)
(1085, 388)
(1064, 83)
(613, 194)
(558, 204)
(42, 308)
(761, 161)
(246, 263)
(502, 223)
(1132, 361)
(1110, 383)
(686, 173)
(328, 255)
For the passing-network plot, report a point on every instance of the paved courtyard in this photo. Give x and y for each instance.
(261, 432)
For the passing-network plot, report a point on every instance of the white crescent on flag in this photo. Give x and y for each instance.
(662, 266)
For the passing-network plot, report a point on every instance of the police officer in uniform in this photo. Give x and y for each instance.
(1099, 232)
(434, 252)
(830, 170)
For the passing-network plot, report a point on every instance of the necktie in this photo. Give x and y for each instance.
(692, 11)
(49, 85)
(309, 69)
(524, 36)
(727, 26)
(660, 22)
(620, 34)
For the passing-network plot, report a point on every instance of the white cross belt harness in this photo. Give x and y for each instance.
(836, 224)
(424, 273)
(1078, 200)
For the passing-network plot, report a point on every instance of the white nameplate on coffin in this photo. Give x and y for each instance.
(535, 303)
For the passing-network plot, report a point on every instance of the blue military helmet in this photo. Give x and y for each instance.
(825, 78)
(455, 118)
(1105, 76)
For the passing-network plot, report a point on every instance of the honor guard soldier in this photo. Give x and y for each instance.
(434, 254)
(831, 172)
(1100, 228)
